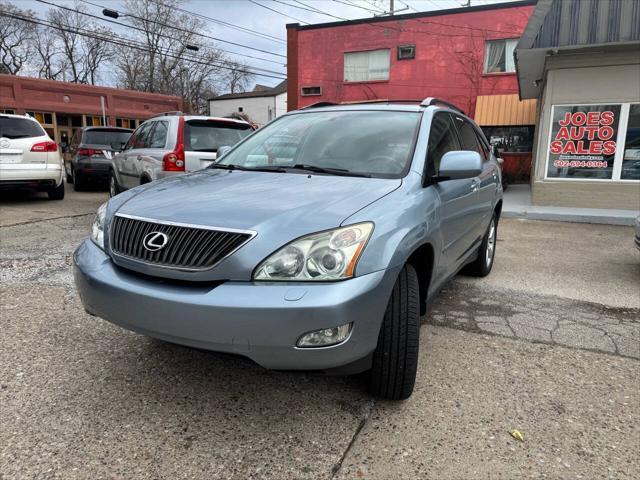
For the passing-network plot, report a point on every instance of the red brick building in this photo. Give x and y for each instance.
(463, 55)
(62, 107)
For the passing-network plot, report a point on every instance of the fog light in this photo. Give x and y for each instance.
(325, 337)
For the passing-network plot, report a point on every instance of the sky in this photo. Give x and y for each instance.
(270, 21)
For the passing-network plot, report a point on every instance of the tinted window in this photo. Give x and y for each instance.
(442, 139)
(207, 136)
(12, 127)
(158, 137)
(104, 136)
(377, 143)
(468, 136)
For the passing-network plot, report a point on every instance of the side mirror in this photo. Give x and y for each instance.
(460, 164)
(222, 151)
(117, 146)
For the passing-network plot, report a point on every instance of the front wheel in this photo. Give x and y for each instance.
(395, 359)
(114, 188)
(481, 267)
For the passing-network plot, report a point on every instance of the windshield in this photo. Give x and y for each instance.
(373, 143)
(209, 135)
(105, 137)
(12, 127)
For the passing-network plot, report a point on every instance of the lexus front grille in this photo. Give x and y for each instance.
(180, 246)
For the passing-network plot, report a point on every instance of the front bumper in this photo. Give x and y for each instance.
(261, 321)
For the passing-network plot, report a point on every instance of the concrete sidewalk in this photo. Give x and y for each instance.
(517, 204)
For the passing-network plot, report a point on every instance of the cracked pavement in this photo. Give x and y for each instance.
(548, 344)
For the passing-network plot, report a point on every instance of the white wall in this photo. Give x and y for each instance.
(257, 108)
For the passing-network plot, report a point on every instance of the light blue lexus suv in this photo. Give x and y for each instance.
(314, 244)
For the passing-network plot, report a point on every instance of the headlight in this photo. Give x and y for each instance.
(97, 229)
(330, 255)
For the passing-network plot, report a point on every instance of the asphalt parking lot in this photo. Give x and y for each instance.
(549, 344)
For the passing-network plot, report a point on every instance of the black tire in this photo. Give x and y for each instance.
(395, 359)
(56, 193)
(114, 187)
(482, 266)
(78, 181)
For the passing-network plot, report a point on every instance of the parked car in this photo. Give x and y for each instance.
(29, 159)
(172, 144)
(92, 153)
(322, 262)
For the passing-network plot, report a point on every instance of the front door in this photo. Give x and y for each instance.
(457, 199)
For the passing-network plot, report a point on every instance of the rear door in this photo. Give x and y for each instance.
(485, 183)
(457, 197)
(203, 137)
(17, 138)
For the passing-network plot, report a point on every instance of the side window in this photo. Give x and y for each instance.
(468, 136)
(442, 139)
(139, 138)
(485, 150)
(158, 137)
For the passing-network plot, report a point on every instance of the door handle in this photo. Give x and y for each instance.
(474, 185)
(139, 157)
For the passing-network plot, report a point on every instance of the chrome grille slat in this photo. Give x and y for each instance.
(189, 247)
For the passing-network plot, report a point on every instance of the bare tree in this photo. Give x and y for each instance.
(16, 38)
(80, 46)
(237, 79)
(167, 65)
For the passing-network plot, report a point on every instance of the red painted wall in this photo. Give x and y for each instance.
(449, 57)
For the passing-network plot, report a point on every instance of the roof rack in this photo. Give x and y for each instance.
(319, 104)
(427, 102)
(169, 114)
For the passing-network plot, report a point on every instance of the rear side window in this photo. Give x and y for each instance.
(208, 136)
(442, 139)
(12, 127)
(158, 137)
(468, 136)
(105, 136)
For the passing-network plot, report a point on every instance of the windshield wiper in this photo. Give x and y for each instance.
(232, 166)
(329, 171)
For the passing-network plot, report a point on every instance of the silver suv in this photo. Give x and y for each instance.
(171, 144)
(314, 244)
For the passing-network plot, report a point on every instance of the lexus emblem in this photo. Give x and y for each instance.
(155, 241)
(5, 143)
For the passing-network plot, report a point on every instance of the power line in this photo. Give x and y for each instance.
(131, 45)
(151, 21)
(168, 26)
(219, 22)
(279, 13)
(352, 4)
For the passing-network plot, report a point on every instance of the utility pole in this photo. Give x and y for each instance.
(390, 7)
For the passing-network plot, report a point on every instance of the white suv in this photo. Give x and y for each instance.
(172, 144)
(28, 157)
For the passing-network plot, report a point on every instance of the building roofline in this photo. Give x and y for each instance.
(81, 86)
(409, 16)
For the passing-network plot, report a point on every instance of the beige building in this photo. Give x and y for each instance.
(581, 61)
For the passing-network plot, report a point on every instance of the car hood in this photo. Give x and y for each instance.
(260, 201)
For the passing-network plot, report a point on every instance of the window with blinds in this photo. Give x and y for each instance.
(366, 66)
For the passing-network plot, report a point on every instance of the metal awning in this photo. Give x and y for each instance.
(504, 110)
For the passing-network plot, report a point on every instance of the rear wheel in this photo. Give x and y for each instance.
(481, 267)
(114, 188)
(56, 193)
(395, 359)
